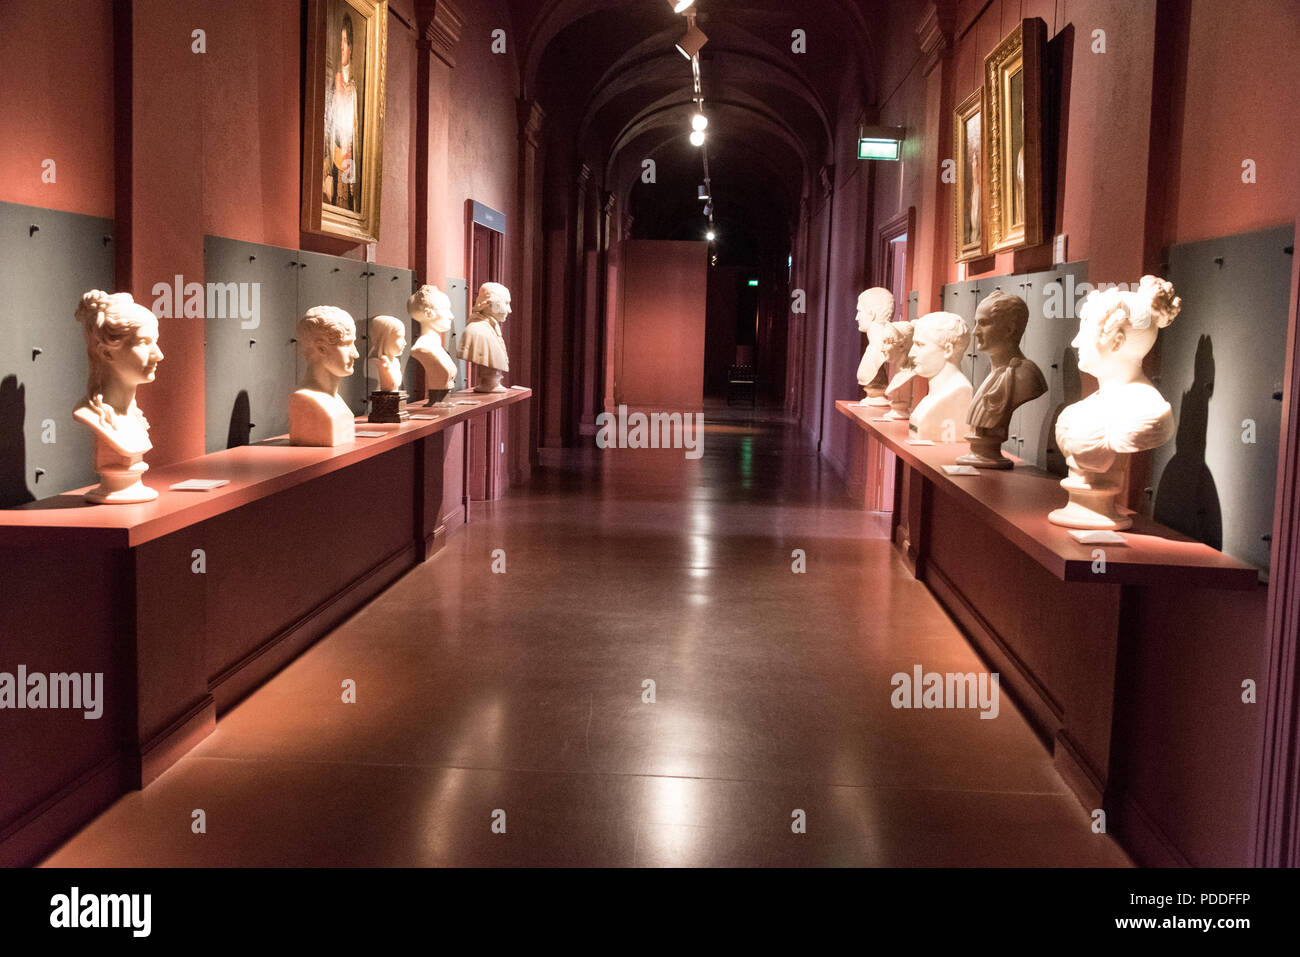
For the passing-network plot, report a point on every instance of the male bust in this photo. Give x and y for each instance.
(939, 340)
(875, 312)
(430, 307)
(327, 341)
(898, 343)
(1013, 380)
(483, 345)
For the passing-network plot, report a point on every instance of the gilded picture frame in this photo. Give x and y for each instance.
(1013, 106)
(343, 117)
(969, 202)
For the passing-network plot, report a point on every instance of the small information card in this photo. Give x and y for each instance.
(199, 485)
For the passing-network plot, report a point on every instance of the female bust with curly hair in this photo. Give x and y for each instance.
(122, 351)
(1127, 414)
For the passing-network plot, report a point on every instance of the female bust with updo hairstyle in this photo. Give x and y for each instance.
(430, 307)
(482, 344)
(1126, 414)
(122, 352)
(387, 343)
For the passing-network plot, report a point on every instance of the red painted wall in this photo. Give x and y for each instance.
(665, 289)
(56, 71)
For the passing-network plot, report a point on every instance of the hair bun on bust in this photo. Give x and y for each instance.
(1164, 305)
(92, 304)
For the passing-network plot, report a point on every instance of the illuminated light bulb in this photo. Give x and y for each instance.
(699, 122)
(697, 138)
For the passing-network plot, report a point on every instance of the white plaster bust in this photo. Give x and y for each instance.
(387, 343)
(875, 311)
(1013, 380)
(1126, 414)
(122, 350)
(939, 340)
(482, 344)
(898, 344)
(327, 341)
(430, 307)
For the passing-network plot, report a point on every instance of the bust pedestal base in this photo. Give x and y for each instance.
(488, 380)
(388, 408)
(1090, 508)
(122, 486)
(985, 453)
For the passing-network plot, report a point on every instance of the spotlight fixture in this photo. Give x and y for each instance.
(697, 137)
(699, 122)
(680, 6)
(710, 235)
(703, 193)
(693, 40)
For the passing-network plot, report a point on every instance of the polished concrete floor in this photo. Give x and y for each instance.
(517, 698)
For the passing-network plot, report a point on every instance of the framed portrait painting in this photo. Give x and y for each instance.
(343, 117)
(969, 203)
(1013, 105)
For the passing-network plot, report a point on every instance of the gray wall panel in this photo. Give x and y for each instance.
(43, 275)
(1222, 362)
(250, 371)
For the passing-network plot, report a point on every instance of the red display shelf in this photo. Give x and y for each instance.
(1015, 504)
(253, 471)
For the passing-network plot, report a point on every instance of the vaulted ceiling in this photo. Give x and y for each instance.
(613, 85)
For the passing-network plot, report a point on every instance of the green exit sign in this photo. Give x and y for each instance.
(871, 148)
(753, 282)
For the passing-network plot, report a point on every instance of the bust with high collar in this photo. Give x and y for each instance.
(482, 344)
(1013, 380)
(939, 341)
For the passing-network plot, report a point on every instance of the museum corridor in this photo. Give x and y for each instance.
(521, 690)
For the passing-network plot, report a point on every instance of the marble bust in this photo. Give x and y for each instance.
(939, 340)
(327, 341)
(482, 344)
(875, 310)
(1013, 380)
(122, 349)
(387, 343)
(898, 343)
(430, 307)
(1127, 414)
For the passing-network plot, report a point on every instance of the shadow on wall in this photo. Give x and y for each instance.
(241, 429)
(13, 445)
(1067, 383)
(1187, 499)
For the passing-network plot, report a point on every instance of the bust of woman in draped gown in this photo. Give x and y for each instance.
(1127, 414)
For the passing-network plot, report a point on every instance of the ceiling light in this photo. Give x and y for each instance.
(703, 192)
(697, 138)
(699, 122)
(680, 6)
(710, 235)
(693, 40)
